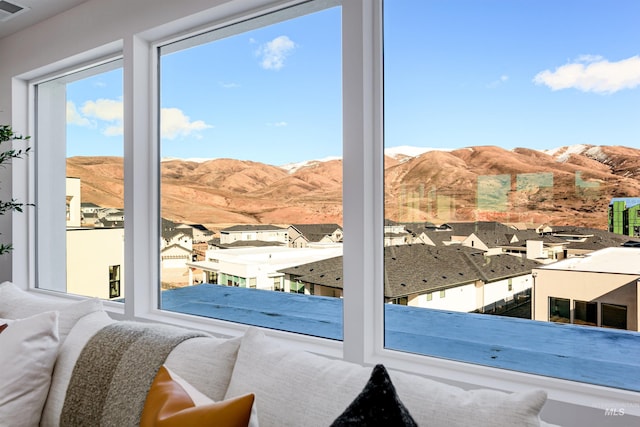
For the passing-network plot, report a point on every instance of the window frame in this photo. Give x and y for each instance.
(363, 210)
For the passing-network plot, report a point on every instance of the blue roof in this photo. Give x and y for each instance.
(587, 354)
(629, 201)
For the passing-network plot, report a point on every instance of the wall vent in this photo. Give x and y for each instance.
(10, 10)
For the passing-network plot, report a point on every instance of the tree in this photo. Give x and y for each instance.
(6, 156)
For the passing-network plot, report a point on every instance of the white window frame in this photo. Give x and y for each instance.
(363, 205)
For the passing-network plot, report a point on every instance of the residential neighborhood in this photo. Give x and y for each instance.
(544, 272)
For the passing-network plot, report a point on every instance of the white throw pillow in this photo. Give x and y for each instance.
(322, 388)
(18, 304)
(28, 349)
(215, 356)
(68, 354)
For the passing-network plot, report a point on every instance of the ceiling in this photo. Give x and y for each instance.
(35, 11)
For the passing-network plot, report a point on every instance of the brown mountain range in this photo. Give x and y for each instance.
(571, 186)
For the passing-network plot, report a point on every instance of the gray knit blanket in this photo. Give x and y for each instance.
(114, 373)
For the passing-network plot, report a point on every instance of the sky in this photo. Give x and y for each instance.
(537, 74)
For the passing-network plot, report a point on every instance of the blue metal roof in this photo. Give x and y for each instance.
(586, 354)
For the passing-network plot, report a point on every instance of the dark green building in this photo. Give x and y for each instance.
(624, 216)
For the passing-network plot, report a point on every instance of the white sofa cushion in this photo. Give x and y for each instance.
(80, 334)
(28, 349)
(17, 304)
(206, 363)
(314, 391)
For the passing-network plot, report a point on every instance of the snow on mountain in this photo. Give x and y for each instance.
(292, 167)
(409, 151)
(562, 154)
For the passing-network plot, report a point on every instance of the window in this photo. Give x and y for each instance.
(80, 187)
(114, 281)
(251, 147)
(476, 142)
(614, 316)
(559, 310)
(585, 313)
(442, 294)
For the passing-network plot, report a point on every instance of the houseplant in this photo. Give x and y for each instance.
(6, 155)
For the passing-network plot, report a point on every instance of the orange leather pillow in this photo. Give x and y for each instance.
(168, 404)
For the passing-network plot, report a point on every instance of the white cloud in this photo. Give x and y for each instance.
(175, 123)
(229, 85)
(104, 109)
(115, 130)
(494, 84)
(590, 73)
(109, 115)
(278, 124)
(74, 117)
(273, 53)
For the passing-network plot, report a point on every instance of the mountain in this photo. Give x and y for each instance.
(567, 186)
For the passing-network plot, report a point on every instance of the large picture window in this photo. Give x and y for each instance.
(502, 140)
(80, 180)
(251, 168)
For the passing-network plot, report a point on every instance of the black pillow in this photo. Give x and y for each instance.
(377, 405)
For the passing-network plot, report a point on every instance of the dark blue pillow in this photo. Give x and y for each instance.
(377, 405)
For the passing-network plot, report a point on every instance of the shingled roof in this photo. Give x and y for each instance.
(316, 232)
(595, 238)
(411, 269)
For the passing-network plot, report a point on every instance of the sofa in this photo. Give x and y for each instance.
(71, 364)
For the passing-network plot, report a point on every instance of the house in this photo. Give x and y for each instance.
(300, 235)
(95, 262)
(250, 232)
(199, 232)
(256, 267)
(73, 202)
(452, 278)
(601, 288)
(94, 257)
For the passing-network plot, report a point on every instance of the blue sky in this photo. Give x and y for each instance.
(536, 74)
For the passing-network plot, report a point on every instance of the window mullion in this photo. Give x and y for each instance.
(141, 213)
(362, 185)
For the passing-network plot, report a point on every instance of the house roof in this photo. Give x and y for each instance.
(111, 224)
(316, 232)
(595, 238)
(623, 260)
(411, 269)
(252, 227)
(244, 244)
(171, 233)
(196, 226)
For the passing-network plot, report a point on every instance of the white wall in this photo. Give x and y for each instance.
(461, 298)
(496, 291)
(90, 252)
